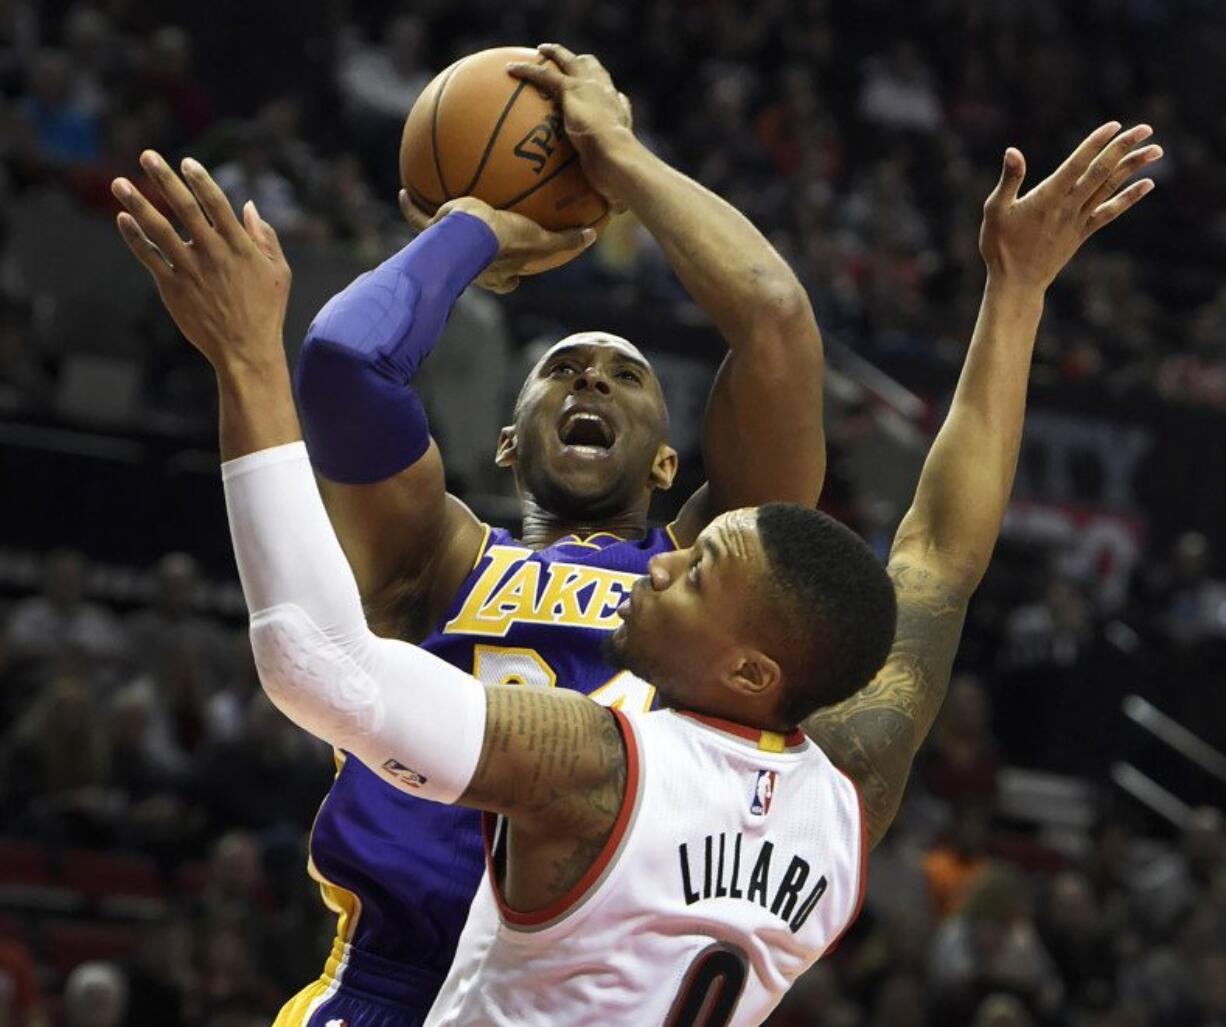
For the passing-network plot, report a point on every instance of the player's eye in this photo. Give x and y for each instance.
(563, 368)
(630, 376)
(692, 575)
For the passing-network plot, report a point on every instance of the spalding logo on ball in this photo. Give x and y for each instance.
(477, 131)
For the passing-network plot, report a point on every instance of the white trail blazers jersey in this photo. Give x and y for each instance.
(737, 860)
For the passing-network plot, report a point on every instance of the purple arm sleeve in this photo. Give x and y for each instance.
(361, 420)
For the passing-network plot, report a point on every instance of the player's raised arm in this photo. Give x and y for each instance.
(946, 539)
(762, 438)
(552, 761)
(409, 542)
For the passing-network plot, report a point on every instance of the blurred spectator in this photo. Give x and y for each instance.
(1002, 1011)
(147, 775)
(61, 622)
(1188, 604)
(1171, 884)
(1043, 663)
(1211, 985)
(95, 995)
(93, 52)
(817, 1000)
(1111, 868)
(960, 762)
(227, 707)
(270, 774)
(252, 176)
(1167, 979)
(63, 130)
(1053, 632)
(56, 762)
(1078, 937)
(163, 981)
(953, 866)
(174, 698)
(900, 1001)
(991, 945)
(381, 80)
(21, 997)
(379, 83)
(232, 981)
(237, 886)
(167, 75)
(25, 384)
(174, 623)
(898, 91)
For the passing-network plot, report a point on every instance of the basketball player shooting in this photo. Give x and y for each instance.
(690, 898)
(588, 446)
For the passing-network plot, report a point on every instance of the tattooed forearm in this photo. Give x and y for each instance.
(548, 753)
(874, 735)
(554, 764)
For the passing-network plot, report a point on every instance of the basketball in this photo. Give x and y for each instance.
(477, 131)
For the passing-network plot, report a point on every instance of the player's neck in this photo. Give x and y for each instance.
(542, 528)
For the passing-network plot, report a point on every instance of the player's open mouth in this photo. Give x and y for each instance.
(586, 432)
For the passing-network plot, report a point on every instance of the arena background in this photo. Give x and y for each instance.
(1061, 858)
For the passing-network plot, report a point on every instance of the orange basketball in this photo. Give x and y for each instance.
(477, 131)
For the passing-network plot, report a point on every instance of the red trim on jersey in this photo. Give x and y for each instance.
(754, 734)
(863, 884)
(567, 902)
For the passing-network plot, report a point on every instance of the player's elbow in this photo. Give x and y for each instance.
(781, 325)
(781, 299)
(317, 683)
(957, 566)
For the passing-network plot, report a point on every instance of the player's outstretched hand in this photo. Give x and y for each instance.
(594, 113)
(524, 247)
(1030, 238)
(227, 284)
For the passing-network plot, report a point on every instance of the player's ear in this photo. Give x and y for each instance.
(753, 673)
(664, 467)
(505, 455)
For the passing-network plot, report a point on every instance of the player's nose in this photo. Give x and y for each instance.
(659, 572)
(592, 379)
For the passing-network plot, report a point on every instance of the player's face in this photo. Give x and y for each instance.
(686, 624)
(590, 429)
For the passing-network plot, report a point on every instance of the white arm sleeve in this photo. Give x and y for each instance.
(416, 721)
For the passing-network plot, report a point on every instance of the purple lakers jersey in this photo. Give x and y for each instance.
(399, 871)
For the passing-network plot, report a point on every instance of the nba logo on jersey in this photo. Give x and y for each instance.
(763, 792)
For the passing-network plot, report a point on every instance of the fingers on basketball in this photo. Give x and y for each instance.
(478, 131)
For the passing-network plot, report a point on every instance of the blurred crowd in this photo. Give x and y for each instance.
(862, 137)
(153, 806)
(140, 761)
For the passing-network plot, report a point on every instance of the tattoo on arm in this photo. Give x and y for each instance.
(874, 736)
(551, 756)
(554, 764)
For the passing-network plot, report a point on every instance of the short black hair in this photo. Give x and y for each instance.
(833, 601)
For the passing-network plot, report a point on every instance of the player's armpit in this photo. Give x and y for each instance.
(874, 736)
(410, 544)
(555, 765)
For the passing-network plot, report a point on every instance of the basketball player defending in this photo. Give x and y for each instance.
(692, 862)
(227, 294)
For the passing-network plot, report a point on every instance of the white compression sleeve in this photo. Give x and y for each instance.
(416, 721)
